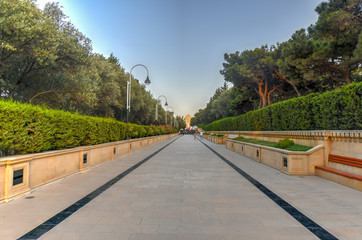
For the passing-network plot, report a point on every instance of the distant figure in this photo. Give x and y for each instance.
(201, 134)
(194, 136)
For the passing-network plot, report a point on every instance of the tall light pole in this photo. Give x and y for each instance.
(171, 112)
(129, 84)
(158, 101)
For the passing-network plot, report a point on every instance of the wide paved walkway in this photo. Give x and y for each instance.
(185, 191)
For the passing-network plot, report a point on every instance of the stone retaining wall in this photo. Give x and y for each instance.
(41, 168)
(289, 162)
(346, 143)
(217, 140)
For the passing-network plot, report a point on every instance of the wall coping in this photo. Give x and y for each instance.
(32, 156)
(356, 133)
(342, 135)
(287, 152)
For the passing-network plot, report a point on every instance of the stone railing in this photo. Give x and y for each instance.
(19, 174)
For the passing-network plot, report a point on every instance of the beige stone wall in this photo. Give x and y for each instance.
(352, 183)
(251, 151)
(217, 140)
(2, 183)
(42, 168)
(273, 159)
(299, 163)
(346, 143)
(121, 149)
(346, 168)
(56, 166)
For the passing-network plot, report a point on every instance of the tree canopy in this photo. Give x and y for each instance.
(325, 56)
(46, 60)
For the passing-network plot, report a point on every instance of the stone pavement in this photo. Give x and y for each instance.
(185, 192)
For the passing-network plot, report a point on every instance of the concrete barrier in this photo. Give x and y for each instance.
(21, 173)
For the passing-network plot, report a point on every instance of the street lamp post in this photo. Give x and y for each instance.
(158, 101)
(129, 84)
(171, 112)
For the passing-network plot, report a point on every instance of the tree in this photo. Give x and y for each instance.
(273, 59)
(335, 37)
(180, 122)
(28, 45)
(251, 69)
(293, 65)
(45, 60)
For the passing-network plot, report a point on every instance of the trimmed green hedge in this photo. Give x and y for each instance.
(25, 128)
(334, 110)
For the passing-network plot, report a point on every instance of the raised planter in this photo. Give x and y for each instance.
(217, 140)
(288, 162)
(19, 174)
(338, 142)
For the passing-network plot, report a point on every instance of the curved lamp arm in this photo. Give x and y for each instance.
(158, 101)
(170, 107)
(129, 83)
(171, 115)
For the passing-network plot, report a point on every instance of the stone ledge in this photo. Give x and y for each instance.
(346, 179)
(341, 173)
(340, 135)
(42, 168)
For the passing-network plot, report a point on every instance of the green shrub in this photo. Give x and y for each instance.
(285, 143)
(25, 128)
(333, 110)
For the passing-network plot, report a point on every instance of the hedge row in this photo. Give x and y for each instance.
(26, 128)
(335, 110)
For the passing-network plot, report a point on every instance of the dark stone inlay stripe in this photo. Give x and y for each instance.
(312, 226)
(61, 216)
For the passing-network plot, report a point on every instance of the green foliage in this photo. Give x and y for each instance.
(333, 110)
(25, 128)
(285, 143)
(218, 135)
(46, 60)
(323, 57)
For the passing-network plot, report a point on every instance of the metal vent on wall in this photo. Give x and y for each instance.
(18, 177)
(285, 162)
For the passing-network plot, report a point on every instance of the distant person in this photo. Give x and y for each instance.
(194, 136)
(201, 134)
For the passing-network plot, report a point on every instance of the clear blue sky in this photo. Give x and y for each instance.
(182, 42)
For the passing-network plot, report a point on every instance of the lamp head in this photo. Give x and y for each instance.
(147, 81)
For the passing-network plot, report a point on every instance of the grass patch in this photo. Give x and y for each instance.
(294, 147)
(297, 147)
(217, 135)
